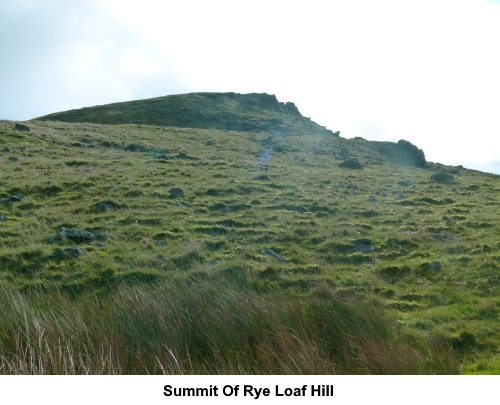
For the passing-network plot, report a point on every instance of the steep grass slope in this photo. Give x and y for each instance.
(93, 209)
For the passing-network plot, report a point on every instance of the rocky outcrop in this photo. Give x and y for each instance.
(134, 147)
(72, 234)
(68, 253)
(402, 152)
(363, 245)
(275, 255)
(351, 164)
(105, 206)
(21, 127)
(442, 177)
(176, 192)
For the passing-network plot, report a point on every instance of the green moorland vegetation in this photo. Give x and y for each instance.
(246, 247)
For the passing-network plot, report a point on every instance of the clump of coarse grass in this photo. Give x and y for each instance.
(207, 327)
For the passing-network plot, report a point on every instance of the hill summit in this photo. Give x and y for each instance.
(229, 111)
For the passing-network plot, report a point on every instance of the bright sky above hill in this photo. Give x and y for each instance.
(427, 71)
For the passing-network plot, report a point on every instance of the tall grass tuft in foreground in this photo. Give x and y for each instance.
(211, 327)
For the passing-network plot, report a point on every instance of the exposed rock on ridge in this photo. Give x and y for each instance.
(403, 152)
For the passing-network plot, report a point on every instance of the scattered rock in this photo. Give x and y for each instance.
(210, 143)
(50, 191)
(68, 253)
(297, 208)
(343, 152)
(429, 269)
(176, 193)
(155, 153)
(269, 141)
(73, 234)
(16, 198)
(436, 265)
(336, 133)
(394, 273)
(363, 245)
(442, 237)
(3, 218)
(224, 208)
(442, 177)
(30, 214)
(275, 255)
(351, 164)
(367, 213)
(106, 206)
(432, 201)
(161, 242)
(134, 147)
(100, 234)
(21, 127)
(185, 156)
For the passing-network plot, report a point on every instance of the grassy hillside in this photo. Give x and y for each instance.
(379, 269)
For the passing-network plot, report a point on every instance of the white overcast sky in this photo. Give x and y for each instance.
(427, 71)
